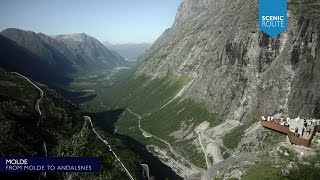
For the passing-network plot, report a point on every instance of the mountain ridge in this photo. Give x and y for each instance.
(17, 58)
(87, 54)
(91, 49)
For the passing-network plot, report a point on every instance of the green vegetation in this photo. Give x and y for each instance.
(311, 4)
(20, 119)
(248, 146)
(309, 171)
(150, 97)
(262, 172)
(303, 1)
(60, 127)
(266, 139)
(85, 143)
(267, 169)
(291, 156)
(224, 152)
(91, 90)
(17, 87)
(76, 145)
(170, 118)
(162, 112)
(155, 101)
(141, 94)
(145, 95)
(128, 125)
(232, 138)
(188, 151)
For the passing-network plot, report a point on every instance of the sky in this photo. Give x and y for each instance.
(116, 21)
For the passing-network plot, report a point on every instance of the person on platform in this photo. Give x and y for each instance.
(288, 119)
(296, 131)
(308, 131)
(305, 123)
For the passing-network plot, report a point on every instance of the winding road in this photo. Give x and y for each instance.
(102, 105)
(175, 163)
(87, 118)
(217, 157)
(204, 150)
(37, 108)
(145, 132)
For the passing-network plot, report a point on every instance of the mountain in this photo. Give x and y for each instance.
(17, 58)
(237, 70)
(79, 51)
(200, 89)
(42, 46)
(107, 43)
(129, 51)
(91, 49)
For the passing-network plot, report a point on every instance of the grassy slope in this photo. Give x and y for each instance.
(146, 97)
(232, 138)
(262, 172)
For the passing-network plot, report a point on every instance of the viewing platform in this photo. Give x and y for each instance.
(299, 131)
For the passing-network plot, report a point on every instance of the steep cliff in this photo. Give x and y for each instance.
(238, 71)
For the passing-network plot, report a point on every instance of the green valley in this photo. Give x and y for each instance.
(163, 112)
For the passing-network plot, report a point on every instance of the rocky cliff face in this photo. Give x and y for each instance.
(237, 70)
(189, 9)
